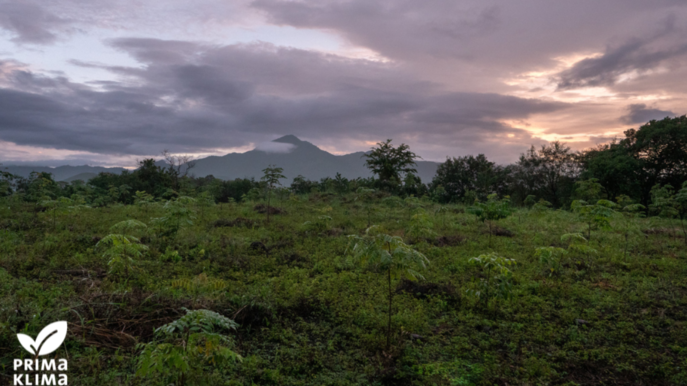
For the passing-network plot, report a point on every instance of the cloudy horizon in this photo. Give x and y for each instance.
(107, 82)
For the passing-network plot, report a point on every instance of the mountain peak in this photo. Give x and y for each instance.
(292, 139)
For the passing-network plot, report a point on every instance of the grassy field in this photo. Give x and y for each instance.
(612, 310)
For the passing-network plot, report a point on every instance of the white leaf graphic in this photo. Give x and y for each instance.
(27, 343)
(48, 340)
(51, 337)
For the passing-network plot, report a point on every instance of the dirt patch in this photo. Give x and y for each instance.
(122, 320)
(422, 290)
(260, 246)
(498, 231)
(254, 315)
(237, 222)
(294, 259)
(663, 231)
(304, 308)
(260, 208)
(449, 241)
(333, 232)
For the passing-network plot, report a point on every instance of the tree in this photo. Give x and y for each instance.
(178, 166)
(548, 173)
(390, 254)
(463, 174)
(6, 183)
(271, 177)
(389, 162)
(656, 153)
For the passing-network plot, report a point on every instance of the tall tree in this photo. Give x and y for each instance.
(656, 153)
(469, 173)
(389, 162)
(549, 172)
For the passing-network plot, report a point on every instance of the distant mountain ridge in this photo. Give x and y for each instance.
(295, 156)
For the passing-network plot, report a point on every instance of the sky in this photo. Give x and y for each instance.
(110, 82)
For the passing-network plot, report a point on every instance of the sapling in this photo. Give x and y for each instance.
(319, 225)
(390, 254)
(594, 215)
(271, 177)
(178, 212)
(366, 196)
(443, 211)
(120, 250)
(550, 256)
(392, 203)
(669, 204)
(420, 226)
(55, 206)
(492, 210)
(630, 212)
(412, 203)
(188, 347)
(498, 276)
(577, 243)
(143, 200)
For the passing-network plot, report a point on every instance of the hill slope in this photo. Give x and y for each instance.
(296, 157)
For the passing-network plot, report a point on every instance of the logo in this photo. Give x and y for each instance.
(35, 372)
(47, 341)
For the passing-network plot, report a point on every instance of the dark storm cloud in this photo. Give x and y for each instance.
(435, 27)
(191, 97)
(484, 32)
(640, 114)
(635, 55)
(29, 22)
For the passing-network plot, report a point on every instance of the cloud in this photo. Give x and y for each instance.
(640, 113)
(636, 55)
(191, 97)
(275, 147)
(29, 22)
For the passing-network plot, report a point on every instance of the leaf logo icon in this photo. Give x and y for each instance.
(48, 340)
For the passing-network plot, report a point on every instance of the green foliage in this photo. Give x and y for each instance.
(321, 224)
(463, 175)
(311, 316)
(420, 226)
(271, 177)
(177, 214)
(588, 190)
(390, 254)
(121, 250)
(550, 256)
(389, 162)
(128, 227)
(183, 350)
(498, 281)
(493, 209)
(597, 216)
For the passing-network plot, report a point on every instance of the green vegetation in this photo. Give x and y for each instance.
(306, 313)
(167, 279)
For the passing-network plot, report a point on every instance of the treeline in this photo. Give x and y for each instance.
(653, 156)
